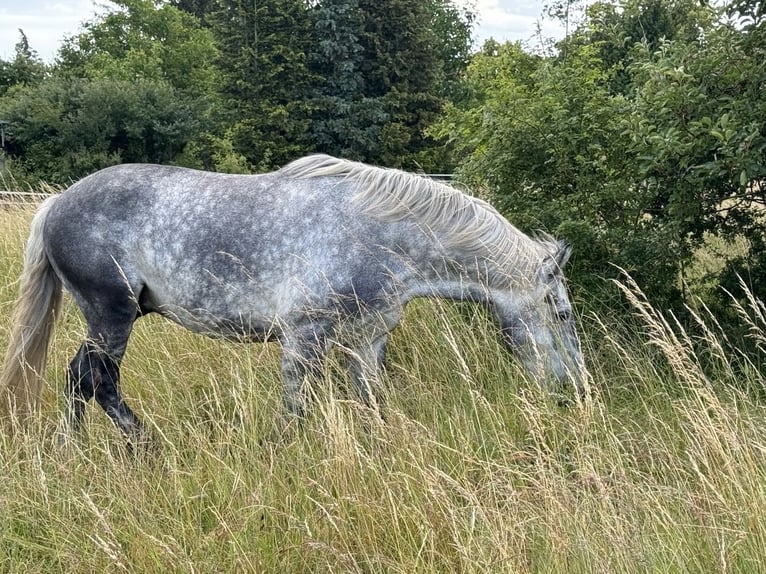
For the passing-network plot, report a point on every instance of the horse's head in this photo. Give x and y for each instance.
(538, 325)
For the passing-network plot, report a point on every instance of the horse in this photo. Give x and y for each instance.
(323, 252)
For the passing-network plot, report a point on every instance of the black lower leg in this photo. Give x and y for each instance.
(108, 396)
(79, 388)
(93, 372)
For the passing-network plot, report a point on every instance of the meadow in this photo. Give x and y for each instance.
(663, 469)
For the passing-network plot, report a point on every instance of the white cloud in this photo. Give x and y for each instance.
(511, 20)
(46, 23)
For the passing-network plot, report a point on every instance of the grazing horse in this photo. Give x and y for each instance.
(322, 252)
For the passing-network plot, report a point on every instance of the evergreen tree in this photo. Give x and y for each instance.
(25, 69)
(266, 87)
(401, 70)
(386, 68)
(346, 120)
(199, 8)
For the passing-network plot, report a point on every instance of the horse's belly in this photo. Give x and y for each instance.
(249, 310)
(245, 326)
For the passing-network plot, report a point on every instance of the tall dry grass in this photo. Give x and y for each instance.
(473, 471)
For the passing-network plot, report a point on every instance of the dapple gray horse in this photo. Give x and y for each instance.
(322, 252)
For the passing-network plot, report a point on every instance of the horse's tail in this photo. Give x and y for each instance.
(36, 310)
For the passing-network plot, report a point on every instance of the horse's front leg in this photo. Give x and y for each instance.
(304, 352)
(365, 362)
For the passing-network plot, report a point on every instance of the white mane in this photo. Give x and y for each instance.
(460, 221)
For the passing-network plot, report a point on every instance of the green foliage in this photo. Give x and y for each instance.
(136, 85)
(639, 140)
(400, 70)
(346, 120)
(25, 69)
(199, 8)
(697, 133)
(265, 82)
(266, 98)
(623, 32)
(144, 39)
(546, 137)
(637, 143)
(385, 70)
(65, 129)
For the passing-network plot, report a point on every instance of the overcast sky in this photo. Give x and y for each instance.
(47, 22)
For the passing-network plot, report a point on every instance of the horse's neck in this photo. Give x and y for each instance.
(464, 281)
(451, 289)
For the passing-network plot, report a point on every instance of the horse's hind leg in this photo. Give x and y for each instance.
(79, 388)
(95, 370)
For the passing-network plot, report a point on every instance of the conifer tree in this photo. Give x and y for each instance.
(266, 87)
(346, 120)
(386, 68)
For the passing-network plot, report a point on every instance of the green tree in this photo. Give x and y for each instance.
(347, 121)
(145, 39)
(451, 30)
(136, 85)
(26, 68)
(386, 70)
(199, 8)
(401, 70)
(640, 176)
(623, 32)
(698, 135)
(545, 137)
(266, 84)
(67, 128)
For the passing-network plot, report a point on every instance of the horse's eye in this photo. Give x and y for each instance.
(565, 315)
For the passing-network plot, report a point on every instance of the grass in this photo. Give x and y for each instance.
(474, 470)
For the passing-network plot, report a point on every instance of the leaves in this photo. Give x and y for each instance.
(384, 70)
(646, 138)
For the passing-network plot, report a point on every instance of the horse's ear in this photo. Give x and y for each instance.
(554, 263)
(562, 255)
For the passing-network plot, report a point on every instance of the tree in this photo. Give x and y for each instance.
(544, 136)
(65, 129)
(451, 30)
(401, 70)
(199, 8)
(266, 83)
(623, 32)
(26, 68)
(386, 69)
(347, 120)
(136, 85)
(145, 39)
(698, 135)
(638, 172)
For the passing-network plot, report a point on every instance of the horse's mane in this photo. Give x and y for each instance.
(459, 221)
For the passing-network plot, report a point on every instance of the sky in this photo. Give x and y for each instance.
(47, 22)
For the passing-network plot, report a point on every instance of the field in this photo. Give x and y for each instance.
(664, 470)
